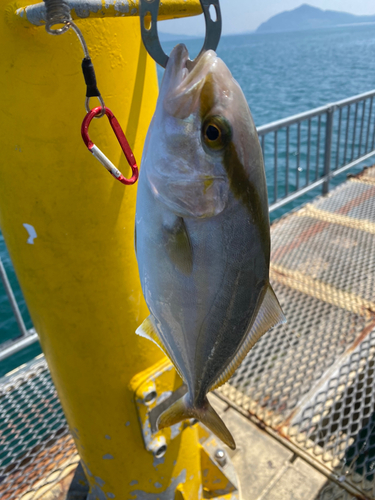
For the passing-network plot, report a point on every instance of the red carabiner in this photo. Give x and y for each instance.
(121, 139)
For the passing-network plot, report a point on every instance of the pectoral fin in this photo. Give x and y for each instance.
(268, 316)
(178, 245)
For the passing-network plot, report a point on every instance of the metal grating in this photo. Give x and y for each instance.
(36, 448)
(332, 491)
(338, 424)
(312, 380)
(347, 203)
(287, 363)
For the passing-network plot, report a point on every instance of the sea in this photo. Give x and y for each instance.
(281, 74)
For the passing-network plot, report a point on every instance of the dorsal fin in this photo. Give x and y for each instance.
(268, 316)
(148, 331)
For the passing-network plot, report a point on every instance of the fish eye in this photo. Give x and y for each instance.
(216, 132)
(212, 133)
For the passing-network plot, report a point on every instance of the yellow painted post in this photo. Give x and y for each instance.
(79, 274)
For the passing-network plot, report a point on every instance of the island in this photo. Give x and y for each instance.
(307, 17)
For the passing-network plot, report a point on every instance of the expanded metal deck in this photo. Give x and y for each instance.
(308, 383)
(312, 380)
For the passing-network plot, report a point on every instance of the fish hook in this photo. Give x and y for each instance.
(150, 37)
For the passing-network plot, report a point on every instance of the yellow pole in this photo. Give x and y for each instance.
(79, 274)
(169, 9)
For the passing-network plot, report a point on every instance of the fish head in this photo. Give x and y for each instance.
(202, 126)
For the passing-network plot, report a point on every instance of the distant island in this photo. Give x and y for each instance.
(307, 17)
(171, 37)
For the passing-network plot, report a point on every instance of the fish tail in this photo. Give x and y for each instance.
(183, 409)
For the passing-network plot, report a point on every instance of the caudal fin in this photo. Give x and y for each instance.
(182, 409)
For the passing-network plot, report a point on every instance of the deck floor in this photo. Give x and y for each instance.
(302, 400)
(310, 382)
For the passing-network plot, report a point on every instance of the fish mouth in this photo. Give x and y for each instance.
(189, 73)
(184, 80)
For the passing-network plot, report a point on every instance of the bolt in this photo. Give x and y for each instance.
(160, 452)
(150, 397)
(221, 457)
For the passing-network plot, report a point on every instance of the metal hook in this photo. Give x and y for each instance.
(150, 37)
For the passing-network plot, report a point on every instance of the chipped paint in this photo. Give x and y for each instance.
(158, 461)
(121, 6)
(96, 493)
(32, 233)
(127, 424)
(111, 495)
(133, 483)
(107, 437)
(87, 470)
(108, 456)
(158, 485)
(100, 481)
(81, 9)
(165, 495)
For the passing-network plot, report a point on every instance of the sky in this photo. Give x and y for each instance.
(247, 15)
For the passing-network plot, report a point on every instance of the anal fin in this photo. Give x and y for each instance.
(268, 316)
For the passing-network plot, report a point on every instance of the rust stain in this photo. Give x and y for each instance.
(365, 332)
(319, 226)
(306, 235)
(40, 466)
(286, 423)
(355, 202)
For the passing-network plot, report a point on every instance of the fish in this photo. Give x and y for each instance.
(202, 232)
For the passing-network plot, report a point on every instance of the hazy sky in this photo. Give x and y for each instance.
(247, 15)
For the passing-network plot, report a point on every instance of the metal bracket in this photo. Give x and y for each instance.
(148, 12)
(219, 477)
(152, 396)
(155, 393)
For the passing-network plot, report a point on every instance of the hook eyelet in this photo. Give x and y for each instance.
(150, 35)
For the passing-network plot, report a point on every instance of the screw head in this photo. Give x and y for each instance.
(221, 457)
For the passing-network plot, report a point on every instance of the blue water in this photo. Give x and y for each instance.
(281, 74)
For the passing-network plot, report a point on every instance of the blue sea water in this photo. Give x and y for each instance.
(281, 74)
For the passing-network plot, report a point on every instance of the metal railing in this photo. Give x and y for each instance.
(307, 150)
(301, 152)
(27, 337)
